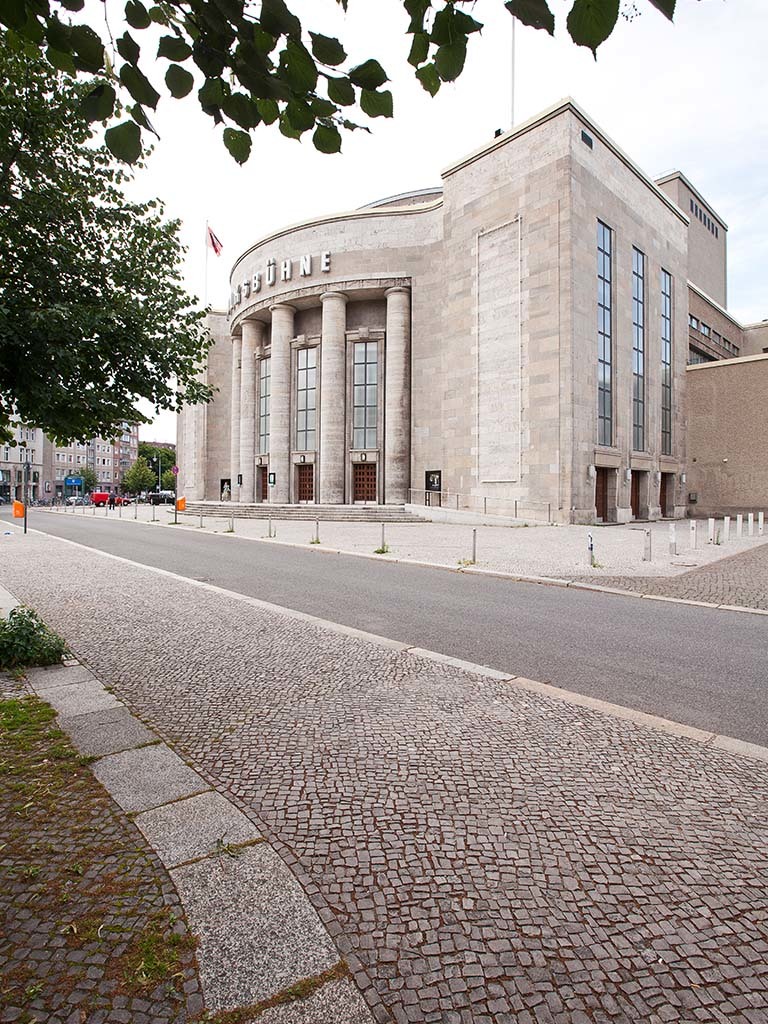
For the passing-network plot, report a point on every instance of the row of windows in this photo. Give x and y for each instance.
(605, 346)
(704, 329)
(705, 219)
(364, 398)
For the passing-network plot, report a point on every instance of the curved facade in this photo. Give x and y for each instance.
(498, 341)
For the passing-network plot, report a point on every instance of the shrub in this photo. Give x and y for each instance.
(26, 640)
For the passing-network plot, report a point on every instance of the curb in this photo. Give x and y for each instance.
(545, 581)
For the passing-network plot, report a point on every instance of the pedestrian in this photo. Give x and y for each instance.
(112, 501)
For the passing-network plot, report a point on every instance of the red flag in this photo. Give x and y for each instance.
(213, 241)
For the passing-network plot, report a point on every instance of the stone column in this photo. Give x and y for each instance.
(397, 401)
(234, 436)
(253, 331)
(280, 403)
(332, 397)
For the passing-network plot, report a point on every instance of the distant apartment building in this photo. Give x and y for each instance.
(30, 443)
(108, 458)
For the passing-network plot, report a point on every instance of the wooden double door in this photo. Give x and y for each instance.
(364, 481)
(305, 482)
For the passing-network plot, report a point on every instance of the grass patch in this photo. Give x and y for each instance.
(383, 550)
(301, 990)
(155, 955)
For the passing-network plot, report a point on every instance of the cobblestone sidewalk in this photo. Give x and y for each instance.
(480, 853)
(92, 928)
(739, 580)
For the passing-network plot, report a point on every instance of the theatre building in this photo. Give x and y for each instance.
(515, 339)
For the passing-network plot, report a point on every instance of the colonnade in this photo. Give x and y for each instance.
(333, 445)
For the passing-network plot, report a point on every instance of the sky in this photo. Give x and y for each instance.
(689, 96)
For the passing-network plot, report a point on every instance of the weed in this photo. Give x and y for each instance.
(26, 640)
(383, 550)
(465, 562)
(315, 540)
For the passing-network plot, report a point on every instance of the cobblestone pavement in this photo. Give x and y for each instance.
(480, 853)
(740, 580)
(92, 929)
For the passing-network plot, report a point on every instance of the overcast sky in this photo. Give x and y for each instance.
(689, 96)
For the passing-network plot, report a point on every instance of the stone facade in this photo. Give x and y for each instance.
(447, 339)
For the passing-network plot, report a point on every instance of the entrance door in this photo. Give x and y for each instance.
(634, 497)
(601, 494)
(665, 495)
(364, 481)
(263, 493)
(306, 482)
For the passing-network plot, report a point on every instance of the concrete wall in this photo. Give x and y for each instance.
(707, 251)
(755, 339)
(723, 329)
(728, 436)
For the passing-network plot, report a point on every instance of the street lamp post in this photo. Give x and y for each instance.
(27, 467)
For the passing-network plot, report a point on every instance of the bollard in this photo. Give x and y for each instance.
(383, 538)
(94, 510)
(760, 523)
(317, 531)
(750, 524)
(106, 511)
(269, 524)
(119, 511)
(201, 520)
(647, 549)
(136, 509)
(153, 511)
(693, 534)
(710, 531)
(726, 529)
(590, 551)
(485, 506)
(672, 539)
(474, 547)
(231, 522)
(739, 526)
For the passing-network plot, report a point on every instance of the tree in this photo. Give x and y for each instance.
(262, 68)
(90, 480)
(93, 314)
(139, 477)
(152, 451)
(169, 481)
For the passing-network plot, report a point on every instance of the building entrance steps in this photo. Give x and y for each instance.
(310, 511)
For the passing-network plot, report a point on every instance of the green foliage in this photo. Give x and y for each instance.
(90, 480)
(169, 481)
(93, 312)
(267, 57)
(26, 640)
(139, 477)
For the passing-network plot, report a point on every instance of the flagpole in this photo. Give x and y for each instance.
(512, 84)
(205, 284)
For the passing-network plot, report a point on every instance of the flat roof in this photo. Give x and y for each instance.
(692, 188)
(716, 305)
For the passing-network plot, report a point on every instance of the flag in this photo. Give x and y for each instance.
(213, 241)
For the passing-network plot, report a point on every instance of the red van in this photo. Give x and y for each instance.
(101, 498)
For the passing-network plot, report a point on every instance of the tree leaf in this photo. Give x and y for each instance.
(419, 49)
(429, 78)
(99, 103)
(535, 13)
(417, 10)
(174, 48)
(238, 143)
(321, 107)
(300, 70)
(341, 91)
(449, 59)
(128, 48)
(667, 7)
(158, 16)
(13, 13)
(139, 86)
(327, 50)
(124, 141)
(137, 15)
(278, 20)
(88, 47)
(287, 129)
(269, 110)
(179, 81)
(592, 21)
(376, 104)
(241, 109)
(326, 139)
(72, 5)
(211, 95)
(60, 61)
(369, 75)
(299, 115)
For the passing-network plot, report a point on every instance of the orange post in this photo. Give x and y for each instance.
(18, 510)
(181, 504)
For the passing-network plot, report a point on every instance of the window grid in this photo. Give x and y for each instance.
(638, 350)
(265, 381)
(604, 335)
(666, 363)
(306, 399)
(365, 397)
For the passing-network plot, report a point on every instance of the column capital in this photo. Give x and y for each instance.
(334, 295)
(282, 306)
(398, 289)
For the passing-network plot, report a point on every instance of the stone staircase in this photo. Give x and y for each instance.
(325, 513)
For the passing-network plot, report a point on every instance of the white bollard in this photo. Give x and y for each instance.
(739, 526)
(672, 539)
(590, 551)
(726, 529)
(647, 555)
(231, 522)
(710, 531)
(153, 511)
(201, 520)
(750, 524)
(383, 538)
(269, 526)
(317, 531)
(474, 547)
(693, 535)
(760, 523)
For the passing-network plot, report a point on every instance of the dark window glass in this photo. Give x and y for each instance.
(365, 394)
(666, 363)
(306, 399)
(264, 391)
(638, 350)
(604, 334)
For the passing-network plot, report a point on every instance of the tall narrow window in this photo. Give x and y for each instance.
(604, 336)
(264, 392)
(638, 350)
(306, 399)
(666, 363)
(365, 398)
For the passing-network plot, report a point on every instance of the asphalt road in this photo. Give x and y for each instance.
(706, 668)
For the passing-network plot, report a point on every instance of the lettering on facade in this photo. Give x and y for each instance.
(301, 266)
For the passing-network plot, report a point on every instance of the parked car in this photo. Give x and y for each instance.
(76, 499)
(101, 498)
(161, 498)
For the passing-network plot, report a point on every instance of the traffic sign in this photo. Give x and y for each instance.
(73, 481)
(175, 470)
